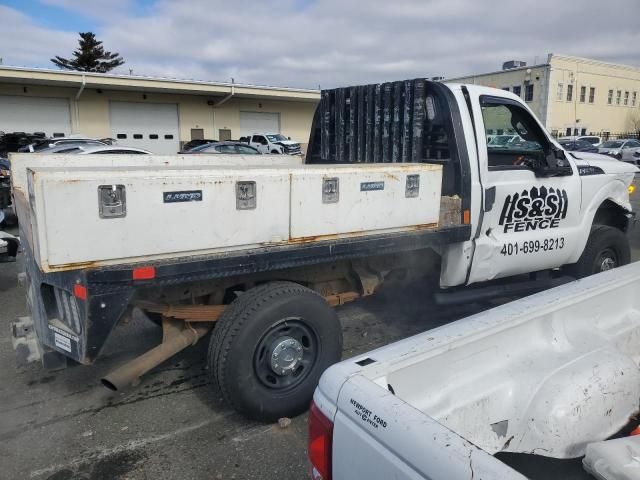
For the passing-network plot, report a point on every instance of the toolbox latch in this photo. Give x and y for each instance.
(112, 201)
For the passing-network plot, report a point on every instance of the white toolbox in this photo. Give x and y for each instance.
(88, 216)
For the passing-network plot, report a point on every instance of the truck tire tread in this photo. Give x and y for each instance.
(232, 321)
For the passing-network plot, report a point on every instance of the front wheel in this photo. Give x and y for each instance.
(607, 248)
(270, 347)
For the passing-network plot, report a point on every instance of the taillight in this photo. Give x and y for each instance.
(320, 439)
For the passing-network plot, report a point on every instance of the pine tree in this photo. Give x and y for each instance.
(90, 56)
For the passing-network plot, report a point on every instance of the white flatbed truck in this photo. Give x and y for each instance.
(398, 182)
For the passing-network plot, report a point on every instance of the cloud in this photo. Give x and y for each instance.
(338, 42)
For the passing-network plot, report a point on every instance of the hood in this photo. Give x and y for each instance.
(606, 163)
(288, 143)
(606, 150)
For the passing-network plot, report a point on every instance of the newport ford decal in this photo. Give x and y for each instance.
(534, 209)
(183, 196)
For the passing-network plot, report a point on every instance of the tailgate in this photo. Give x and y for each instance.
(379, 436)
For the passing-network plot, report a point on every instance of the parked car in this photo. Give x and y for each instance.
(592, 139)
(273, 143)
(623, 149)
(54, 142)
(191, 144)
(86, 149)
(13, 141)
(578, 146)
(227, 148)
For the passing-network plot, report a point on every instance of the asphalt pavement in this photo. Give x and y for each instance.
(66, 425)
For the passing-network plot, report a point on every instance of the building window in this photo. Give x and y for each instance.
(583, 94)
(592, 94)
(559, 91)
(554, 133)
(610, 97)
(517, 90)
(568, 132)
(583, 131)
(618, 97)
(153, 136)
(506, 89)
(569, 93)
(137, 136)
(626, 98)
(634, 98)
(121, 136)
(168, 137)
(58, 135)
(528, 93)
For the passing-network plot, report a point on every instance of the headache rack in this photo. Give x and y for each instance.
(396, 122)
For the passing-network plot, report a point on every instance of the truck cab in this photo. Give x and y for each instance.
(273, 143)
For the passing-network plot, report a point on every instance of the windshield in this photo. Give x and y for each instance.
(278, 137)
(611, 144)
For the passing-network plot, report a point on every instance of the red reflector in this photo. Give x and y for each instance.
(320, 442)
(144, 273)
(80, 291)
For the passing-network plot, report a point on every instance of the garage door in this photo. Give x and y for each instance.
(258, 122)
(35, 114)
(152, 126)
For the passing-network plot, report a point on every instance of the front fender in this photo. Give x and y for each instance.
(615, 191)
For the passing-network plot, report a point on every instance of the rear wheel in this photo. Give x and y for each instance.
(270, 347)
(607, 248)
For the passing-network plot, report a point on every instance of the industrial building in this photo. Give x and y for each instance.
(157, 114)
(572, 95)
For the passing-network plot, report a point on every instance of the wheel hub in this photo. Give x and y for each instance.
(607, 263)
(286, 354)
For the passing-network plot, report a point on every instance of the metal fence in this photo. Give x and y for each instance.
(603, 135)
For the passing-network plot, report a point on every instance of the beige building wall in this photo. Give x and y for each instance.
(536, 76)
(90, 113)
(594, 112)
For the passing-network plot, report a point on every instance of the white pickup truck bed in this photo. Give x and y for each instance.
(533, 382)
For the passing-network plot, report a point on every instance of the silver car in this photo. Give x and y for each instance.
(624, 149)
(85, 149)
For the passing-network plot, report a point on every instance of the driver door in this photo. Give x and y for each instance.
(530, 215)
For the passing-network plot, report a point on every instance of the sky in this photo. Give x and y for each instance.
(326, 43)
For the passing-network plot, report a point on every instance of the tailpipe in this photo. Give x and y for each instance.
(174, 341)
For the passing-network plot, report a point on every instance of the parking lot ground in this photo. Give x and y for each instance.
(65, 425)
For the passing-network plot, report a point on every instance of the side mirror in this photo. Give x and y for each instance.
(556, 165)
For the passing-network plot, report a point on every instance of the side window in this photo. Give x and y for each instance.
(226, 149)
(522, 140)
(256, 139)
(246, 150)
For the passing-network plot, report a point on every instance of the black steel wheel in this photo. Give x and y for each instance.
(607, 248)
(270, 347)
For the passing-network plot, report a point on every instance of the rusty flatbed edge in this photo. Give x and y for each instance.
(277, 257)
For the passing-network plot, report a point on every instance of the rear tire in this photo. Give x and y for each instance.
(270, 347)
(275, 152)
(607, 248)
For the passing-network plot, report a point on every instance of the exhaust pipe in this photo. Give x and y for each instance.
(130, 373)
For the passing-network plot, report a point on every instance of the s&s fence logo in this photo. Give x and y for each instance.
(537, 208)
